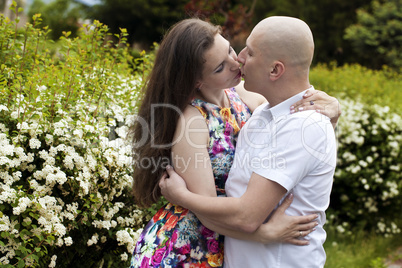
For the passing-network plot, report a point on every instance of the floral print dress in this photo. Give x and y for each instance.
(175, 237)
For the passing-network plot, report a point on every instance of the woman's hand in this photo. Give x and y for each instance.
(172, 185)
(321, 102)
(284, 228)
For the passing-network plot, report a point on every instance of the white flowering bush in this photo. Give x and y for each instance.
(65, 160)
(368, 183)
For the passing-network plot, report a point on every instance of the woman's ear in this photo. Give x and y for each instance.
(198, 85)
(277, 70)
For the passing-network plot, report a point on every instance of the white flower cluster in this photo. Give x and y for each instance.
(53, 261)
(93, 240)
(56, 177)
(392, 228)
(128, 237)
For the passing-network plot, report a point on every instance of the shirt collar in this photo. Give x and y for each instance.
(283, 108)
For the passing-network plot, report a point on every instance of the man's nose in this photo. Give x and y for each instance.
(236, 64)
(240, 58)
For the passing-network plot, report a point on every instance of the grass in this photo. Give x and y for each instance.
(360, 250)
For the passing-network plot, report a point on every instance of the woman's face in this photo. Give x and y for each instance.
(221, 69)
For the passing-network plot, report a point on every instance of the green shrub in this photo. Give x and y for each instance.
(367, 184)
(368, 181)
(381, 87)
(65, 164)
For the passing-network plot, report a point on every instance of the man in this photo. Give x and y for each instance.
(277, 153)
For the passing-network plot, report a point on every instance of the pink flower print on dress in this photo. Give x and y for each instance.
(228, 129)
(184, 250)
(213, 245)
(158, 256)
(207, 232)
(145, 262)
(217, 147)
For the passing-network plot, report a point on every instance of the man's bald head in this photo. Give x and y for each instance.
(286, 39)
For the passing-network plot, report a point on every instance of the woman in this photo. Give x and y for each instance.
(196, 90)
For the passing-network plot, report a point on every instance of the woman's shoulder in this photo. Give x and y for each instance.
(251, 99)
(191, 124)
(192, 117)
(191, 112)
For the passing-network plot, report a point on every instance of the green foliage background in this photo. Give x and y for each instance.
(59, 15)
(377, 38)
(345, 32)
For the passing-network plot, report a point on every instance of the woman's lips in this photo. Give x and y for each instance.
(238, 75)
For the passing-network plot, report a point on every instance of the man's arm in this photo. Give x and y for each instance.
(303, 145)
(246, 213)
(191, 139)
(279, 228)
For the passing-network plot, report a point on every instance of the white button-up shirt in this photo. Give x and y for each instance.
(298, 151)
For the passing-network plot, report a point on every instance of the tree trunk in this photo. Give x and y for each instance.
(7, 12)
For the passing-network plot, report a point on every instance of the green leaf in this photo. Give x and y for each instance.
(5, 234)
(21, 264)
(35, 257)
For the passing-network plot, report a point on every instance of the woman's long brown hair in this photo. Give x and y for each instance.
(172, 83)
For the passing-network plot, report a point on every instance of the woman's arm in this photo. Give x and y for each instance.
(190, 155)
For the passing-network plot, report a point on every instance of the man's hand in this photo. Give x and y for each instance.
(172, 186)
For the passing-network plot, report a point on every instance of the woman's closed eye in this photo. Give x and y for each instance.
(220, 68)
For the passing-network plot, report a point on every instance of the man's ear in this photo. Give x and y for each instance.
(277, 70)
